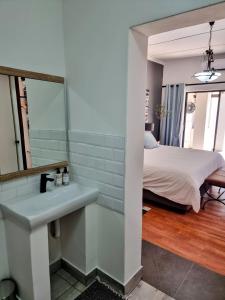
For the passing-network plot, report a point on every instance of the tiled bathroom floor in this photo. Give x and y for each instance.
(66, 287)
(144, 291)
(179, 277)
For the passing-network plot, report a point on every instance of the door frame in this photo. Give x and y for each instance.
(217, 116)
(137, 52)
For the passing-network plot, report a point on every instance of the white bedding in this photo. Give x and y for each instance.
(177, 173)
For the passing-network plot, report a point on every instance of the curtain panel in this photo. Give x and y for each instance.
(171, 129)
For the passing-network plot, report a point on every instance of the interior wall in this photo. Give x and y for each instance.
(96, 47)
(96, 52)
(31, 33)
(134, 152)
(154, 84)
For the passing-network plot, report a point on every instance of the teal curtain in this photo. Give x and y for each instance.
(171, 129)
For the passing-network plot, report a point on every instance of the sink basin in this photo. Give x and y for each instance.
(36, 210)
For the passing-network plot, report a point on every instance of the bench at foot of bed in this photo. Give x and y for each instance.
(216, 179)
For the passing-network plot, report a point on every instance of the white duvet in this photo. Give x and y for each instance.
(177, 173)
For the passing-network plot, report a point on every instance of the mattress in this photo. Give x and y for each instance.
(177, 173)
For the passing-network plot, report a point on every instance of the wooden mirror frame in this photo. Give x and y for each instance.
(38, 76)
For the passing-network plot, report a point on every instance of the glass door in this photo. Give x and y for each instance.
(201, 120)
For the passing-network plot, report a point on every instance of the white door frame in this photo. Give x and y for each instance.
(137, 62)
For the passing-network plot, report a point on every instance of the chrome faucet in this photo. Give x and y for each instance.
(43, 182)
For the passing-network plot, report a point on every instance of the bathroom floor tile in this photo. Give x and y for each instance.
(67, 276)
(145, 291)
(58, 286)
(163, 269)
(70, 294)
(202, 284)
(179, 277)
(79, 286)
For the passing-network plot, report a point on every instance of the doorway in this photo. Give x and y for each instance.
(138, 49)
(204, 128)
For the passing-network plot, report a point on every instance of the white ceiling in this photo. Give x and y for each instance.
(186, 42)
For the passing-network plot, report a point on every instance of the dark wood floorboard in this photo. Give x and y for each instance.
(197, 237)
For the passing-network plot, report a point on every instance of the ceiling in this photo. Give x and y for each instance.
(186, 42)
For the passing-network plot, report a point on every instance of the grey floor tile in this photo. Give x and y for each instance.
(70, 294)
(79, 286)
(66, 276)
(163, 269)
(161, 296)
(145, 291)
(202, 284)
(58, 286)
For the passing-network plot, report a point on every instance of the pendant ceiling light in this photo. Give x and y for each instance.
(210, 73)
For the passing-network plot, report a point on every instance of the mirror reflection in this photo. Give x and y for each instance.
(32, 123)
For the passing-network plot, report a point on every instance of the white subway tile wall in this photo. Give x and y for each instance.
(20, 187)
(95, 160)
(48, 146)
(98, 160)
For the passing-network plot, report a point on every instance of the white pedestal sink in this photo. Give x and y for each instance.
(27, 234)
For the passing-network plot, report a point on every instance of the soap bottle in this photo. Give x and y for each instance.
(58, 177)
(66, 178)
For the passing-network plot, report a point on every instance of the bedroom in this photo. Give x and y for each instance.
(186, 148)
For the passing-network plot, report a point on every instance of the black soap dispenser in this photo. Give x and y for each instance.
(66, 178)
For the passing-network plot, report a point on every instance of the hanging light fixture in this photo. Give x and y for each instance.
(210, 73)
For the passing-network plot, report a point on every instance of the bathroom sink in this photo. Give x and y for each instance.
(36, 210)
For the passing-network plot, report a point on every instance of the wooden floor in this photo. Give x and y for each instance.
(197, 237)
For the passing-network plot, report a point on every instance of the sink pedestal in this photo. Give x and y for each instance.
(29, 260)
(26, 221)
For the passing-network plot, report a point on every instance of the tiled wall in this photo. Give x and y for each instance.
(98, 160)
(19, 187)
(95, 160)
(48, 146)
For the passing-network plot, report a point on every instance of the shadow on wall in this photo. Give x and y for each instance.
(154, 85)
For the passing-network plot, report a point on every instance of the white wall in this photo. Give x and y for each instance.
(99, 160)
(134, 152)
(31, 35)
(96, 52)
(182, 70)
(96, 49)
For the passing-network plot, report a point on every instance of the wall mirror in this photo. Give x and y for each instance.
(33, 130)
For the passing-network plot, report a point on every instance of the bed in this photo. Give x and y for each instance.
(177, 175)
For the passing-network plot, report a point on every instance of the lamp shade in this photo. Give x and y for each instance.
(207, 76)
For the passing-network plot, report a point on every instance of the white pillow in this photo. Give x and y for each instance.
(150, 141)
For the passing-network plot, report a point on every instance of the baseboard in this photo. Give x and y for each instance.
(55, 266)
(117, 286)
(83, 278)
(86, 279)
(133, 282)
